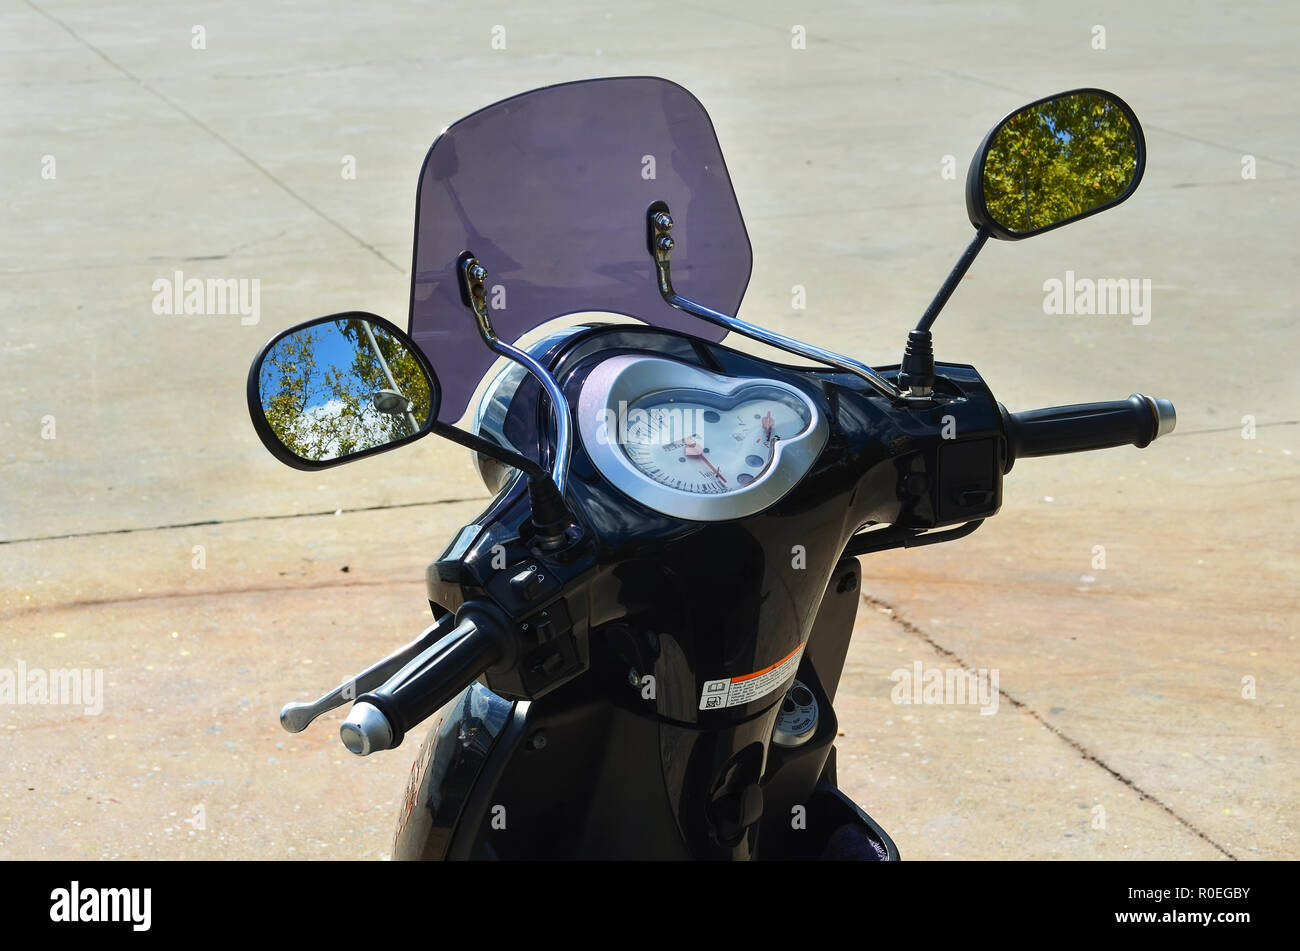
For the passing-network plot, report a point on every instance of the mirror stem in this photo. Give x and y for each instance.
(551, 516)
(490, 449)
(954, 278)
(916, 371)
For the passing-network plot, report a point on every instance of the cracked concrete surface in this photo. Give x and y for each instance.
(1123, 729)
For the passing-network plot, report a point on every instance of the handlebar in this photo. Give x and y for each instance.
(1135, 421)
(484, 639)
(296, 716)
(380, 719)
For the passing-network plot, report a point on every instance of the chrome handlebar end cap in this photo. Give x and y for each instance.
(1166, 418)
(366, 730)
(1163, 411)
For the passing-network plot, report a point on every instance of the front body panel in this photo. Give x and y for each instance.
(628, 636)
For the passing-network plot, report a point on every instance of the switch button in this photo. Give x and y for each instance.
(526, 585)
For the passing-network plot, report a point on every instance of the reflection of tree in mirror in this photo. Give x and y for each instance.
(318, 387)
(1057, 160)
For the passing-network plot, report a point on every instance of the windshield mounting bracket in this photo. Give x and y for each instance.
(473, 291)
(659, 223)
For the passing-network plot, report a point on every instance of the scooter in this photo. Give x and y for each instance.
(636, 647)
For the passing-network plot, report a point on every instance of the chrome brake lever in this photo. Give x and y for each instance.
(296, 716)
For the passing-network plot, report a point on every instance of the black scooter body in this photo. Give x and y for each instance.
(566, 754)
(484, 785)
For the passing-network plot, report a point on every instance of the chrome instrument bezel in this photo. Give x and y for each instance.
(629, 378)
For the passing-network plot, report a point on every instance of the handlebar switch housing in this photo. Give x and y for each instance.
(951, 471)
(543, 594)
(969, 480)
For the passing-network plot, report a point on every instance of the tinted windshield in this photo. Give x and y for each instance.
(550, 189)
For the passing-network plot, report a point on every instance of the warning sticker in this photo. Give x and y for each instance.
(735, 691)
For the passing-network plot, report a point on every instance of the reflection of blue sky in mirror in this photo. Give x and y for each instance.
(333, 352)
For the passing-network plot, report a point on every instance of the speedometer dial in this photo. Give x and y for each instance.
(695, 444)
(696, 441)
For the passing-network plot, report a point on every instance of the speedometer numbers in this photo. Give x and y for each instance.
(695, 441)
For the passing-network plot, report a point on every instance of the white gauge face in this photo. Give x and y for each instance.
(699, 442)
(693, 444)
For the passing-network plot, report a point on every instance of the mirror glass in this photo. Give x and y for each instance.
(341, 386)
(1059, 160)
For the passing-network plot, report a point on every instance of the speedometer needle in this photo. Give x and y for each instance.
(694, 450)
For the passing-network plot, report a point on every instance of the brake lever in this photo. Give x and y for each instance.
(297, 716)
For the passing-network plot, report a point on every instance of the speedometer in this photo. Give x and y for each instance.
(695, 444)
(696, 441)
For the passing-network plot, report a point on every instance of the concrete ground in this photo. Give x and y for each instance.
(1145, 707)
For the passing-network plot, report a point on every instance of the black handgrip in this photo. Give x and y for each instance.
(1136, 421)
(444, 669)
